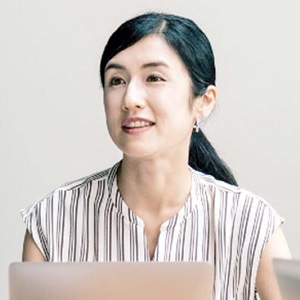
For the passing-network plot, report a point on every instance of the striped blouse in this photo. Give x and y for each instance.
(87, 220)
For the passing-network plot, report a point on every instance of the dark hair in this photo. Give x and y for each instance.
(194, 49)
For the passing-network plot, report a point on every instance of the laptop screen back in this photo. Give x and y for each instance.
(111, 281)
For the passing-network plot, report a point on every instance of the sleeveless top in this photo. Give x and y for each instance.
(87, 220)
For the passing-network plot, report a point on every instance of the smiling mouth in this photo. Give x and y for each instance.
(138, 124)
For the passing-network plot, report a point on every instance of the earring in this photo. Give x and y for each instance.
(198, 123)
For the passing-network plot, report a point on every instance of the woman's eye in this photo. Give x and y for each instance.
(116, 81)
(155, 78)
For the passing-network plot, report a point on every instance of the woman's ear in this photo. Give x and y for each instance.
(205, 104)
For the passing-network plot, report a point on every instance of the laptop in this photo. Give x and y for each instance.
(111, 281)
(288, 277)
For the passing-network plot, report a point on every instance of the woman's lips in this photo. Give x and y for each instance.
(136, 125)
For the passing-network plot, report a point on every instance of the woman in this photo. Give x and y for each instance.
(170, 198)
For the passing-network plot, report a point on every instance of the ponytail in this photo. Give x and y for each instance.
(204, 158)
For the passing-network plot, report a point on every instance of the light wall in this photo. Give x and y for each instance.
(52, 122)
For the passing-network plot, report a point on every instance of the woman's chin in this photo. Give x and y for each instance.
(140, 153)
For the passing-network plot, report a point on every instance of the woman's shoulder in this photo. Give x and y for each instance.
(237, 208)
(214, 184)
(102, 180)
(83, 181)
(224, 191)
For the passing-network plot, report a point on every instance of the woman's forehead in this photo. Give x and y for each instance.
(151, 50)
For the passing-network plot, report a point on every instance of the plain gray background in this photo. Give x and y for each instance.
(52, 123)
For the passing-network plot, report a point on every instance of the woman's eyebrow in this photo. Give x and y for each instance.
(155, 64)
(144, 66)
(114, 66)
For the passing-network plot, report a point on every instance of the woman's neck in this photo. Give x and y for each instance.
(154, 185)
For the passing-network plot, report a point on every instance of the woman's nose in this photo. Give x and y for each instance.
(134, 97)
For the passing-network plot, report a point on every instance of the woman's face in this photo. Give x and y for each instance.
(148, 100)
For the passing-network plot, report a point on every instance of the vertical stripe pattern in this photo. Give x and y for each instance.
(87, 220)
